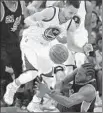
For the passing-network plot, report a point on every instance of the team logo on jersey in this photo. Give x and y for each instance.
(77, 19)
(51, 33)
(16, 24)
(9, 19)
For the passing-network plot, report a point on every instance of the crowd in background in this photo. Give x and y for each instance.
(95, 57)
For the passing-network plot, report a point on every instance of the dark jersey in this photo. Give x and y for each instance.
(76, 88)
(10, 25)
(76, 108)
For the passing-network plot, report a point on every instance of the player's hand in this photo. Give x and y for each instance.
(9, 70)
(42, 88)
(87, 48)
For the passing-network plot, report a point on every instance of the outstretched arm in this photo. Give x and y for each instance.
(25, 11)
(71, 38)
(86, 93)
(33, 7)
(88, 16)
(45, 14)
(69, 77)
(71, 41)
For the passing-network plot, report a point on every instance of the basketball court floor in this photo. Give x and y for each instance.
(14, 110)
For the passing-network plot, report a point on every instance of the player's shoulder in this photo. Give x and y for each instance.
(51, 8)
(88, 87)
(88, 91)
(49, 13)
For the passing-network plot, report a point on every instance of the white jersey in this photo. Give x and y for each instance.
(51, 29)
(35, 43)
(81, 34)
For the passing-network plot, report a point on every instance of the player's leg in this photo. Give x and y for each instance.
(25, 77)
(45, 66)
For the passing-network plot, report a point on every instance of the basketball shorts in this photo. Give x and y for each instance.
(36, 54)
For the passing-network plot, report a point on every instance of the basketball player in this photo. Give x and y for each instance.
(36, 40)
(51, 16)
(83, 98)
(82, 34)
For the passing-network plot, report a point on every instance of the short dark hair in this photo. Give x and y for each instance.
(89, 69)
(75, 3)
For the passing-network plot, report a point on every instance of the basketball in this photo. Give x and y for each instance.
(58, 53)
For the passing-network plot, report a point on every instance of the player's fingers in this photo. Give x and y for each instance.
(38, 80)
(36, 87)
(37, 84)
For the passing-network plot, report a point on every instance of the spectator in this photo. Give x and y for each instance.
(100, 29)
(93, 37)
(95, 20)
(98, 66)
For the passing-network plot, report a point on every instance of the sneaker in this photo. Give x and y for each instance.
(25, 103)
(34, 107)
(18, 103)
(10, 92)
(98, 102)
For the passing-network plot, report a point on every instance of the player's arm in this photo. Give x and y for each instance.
(88, 16)
(58, 4)
(86, 93)
(62, 40)
(45, 14)
(25, 11)
(33, 7)
(69, 77)
(71, 40)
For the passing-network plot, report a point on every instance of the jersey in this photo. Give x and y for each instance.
(81, 33)
(10, 24)
(49, 32)
(37, 40)
(89, 106)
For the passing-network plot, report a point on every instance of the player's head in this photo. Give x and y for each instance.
(93, 36)
(94, 19)
(85, 73)
(71, 8)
